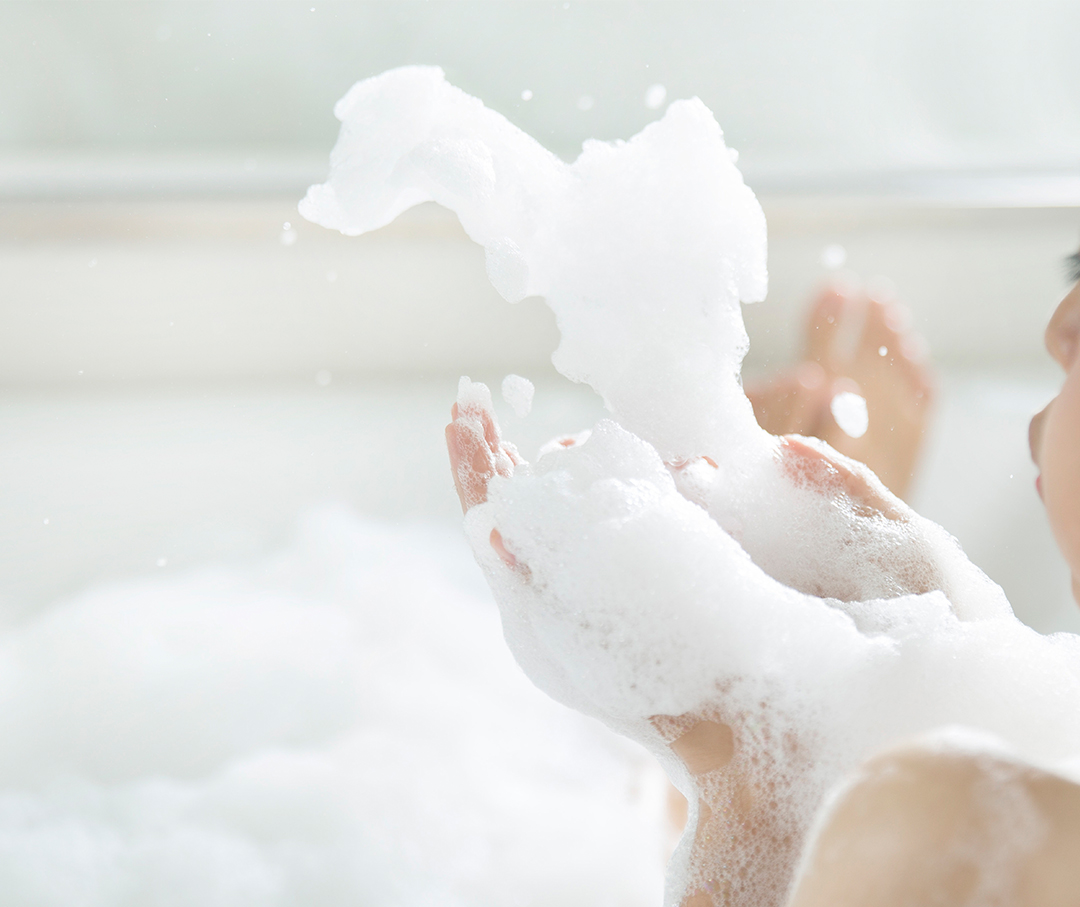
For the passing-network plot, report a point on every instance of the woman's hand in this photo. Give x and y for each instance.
(831, 476)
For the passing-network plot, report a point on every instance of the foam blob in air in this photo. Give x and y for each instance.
(681, 562)
(654, 96)
(518, 392)
(850, 412)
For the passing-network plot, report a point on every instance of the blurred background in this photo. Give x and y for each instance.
(190, 375)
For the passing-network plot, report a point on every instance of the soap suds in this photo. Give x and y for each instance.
(336, 724)
(679, 561)
(518, 392)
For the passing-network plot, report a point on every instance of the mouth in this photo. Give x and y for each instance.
(1035, 434)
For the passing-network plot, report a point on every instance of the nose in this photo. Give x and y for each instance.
(1035, 431)
(1063, 331)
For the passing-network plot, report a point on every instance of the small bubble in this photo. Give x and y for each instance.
(288, 235)
(161, 562)
(93, 263)
(163, 33)
(883, 351)
(323, 377)
(331, 276)
(833, 256)
(46, 521)
(526, 95)
(585, 102)
(80, 371)
(172, 324)
(654, 96)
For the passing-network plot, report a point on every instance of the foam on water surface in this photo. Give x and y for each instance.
(679, 564)
(334, 724)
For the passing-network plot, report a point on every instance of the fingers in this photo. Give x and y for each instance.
(471, 462)
(829, 313)
(864, 336)
(810, 467)
(478, 454)
(889, 337)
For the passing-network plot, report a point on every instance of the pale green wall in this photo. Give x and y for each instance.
(796, 85)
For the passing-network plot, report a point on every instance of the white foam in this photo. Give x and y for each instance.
(518, 392)
(680, 560)
(337, 724)
(850, 412)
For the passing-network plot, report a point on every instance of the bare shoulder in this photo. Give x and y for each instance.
(931, 824)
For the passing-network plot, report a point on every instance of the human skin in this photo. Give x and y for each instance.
(1055, 436)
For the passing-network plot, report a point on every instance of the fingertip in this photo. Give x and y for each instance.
(810, 375)
(491, 430)
(882, 289)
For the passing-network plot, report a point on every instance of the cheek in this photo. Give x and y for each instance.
(1059, 462)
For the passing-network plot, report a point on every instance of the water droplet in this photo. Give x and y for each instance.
(93, 263)
(331, 276)
(654, 96)
(883, 351)
(849, 411)
(163, 33)
(288, 235)
(323, 377)
(833, 256)
(46, 521)
(161, 562)
(585, 102)
(526, 95)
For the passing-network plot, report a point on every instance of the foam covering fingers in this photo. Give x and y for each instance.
(477, 451)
